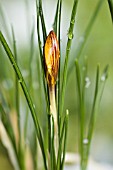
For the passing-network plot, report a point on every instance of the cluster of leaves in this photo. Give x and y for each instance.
(83, 82)
(48, 152)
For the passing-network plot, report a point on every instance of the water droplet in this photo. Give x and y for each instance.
(67, 111)
(72, 21)
(70, 35)
(85, 141)
(103, 78)
(87, 81)
(34, 106)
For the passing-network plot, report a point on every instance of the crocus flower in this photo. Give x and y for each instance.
(51, 58)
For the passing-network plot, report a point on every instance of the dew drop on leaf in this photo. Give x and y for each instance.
(87, 82)
(85, 141)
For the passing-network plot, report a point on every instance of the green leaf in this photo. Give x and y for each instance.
(7, 124)
(40, 12)
(110, 3)
(57, 19)
(26, 93)
(69, 42)
(63, 140)
(103, 79)
(4, 22)
(9, 130)
(16, 87)
(85, 35)
(56, 27)
(93, 111)
(42, 65)
(81, 92)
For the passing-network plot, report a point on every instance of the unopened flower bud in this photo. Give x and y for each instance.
(51, 58)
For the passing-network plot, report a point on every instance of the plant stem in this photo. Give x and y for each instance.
(68, 47)
(53, 111)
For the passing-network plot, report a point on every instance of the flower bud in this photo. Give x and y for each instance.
(51, 58)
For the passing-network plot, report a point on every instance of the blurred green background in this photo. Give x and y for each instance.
(98, 49)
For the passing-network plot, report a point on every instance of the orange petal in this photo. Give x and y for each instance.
(51, 58)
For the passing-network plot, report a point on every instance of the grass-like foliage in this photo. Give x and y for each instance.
(52, 143)
(83, 82)
(110, 2)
